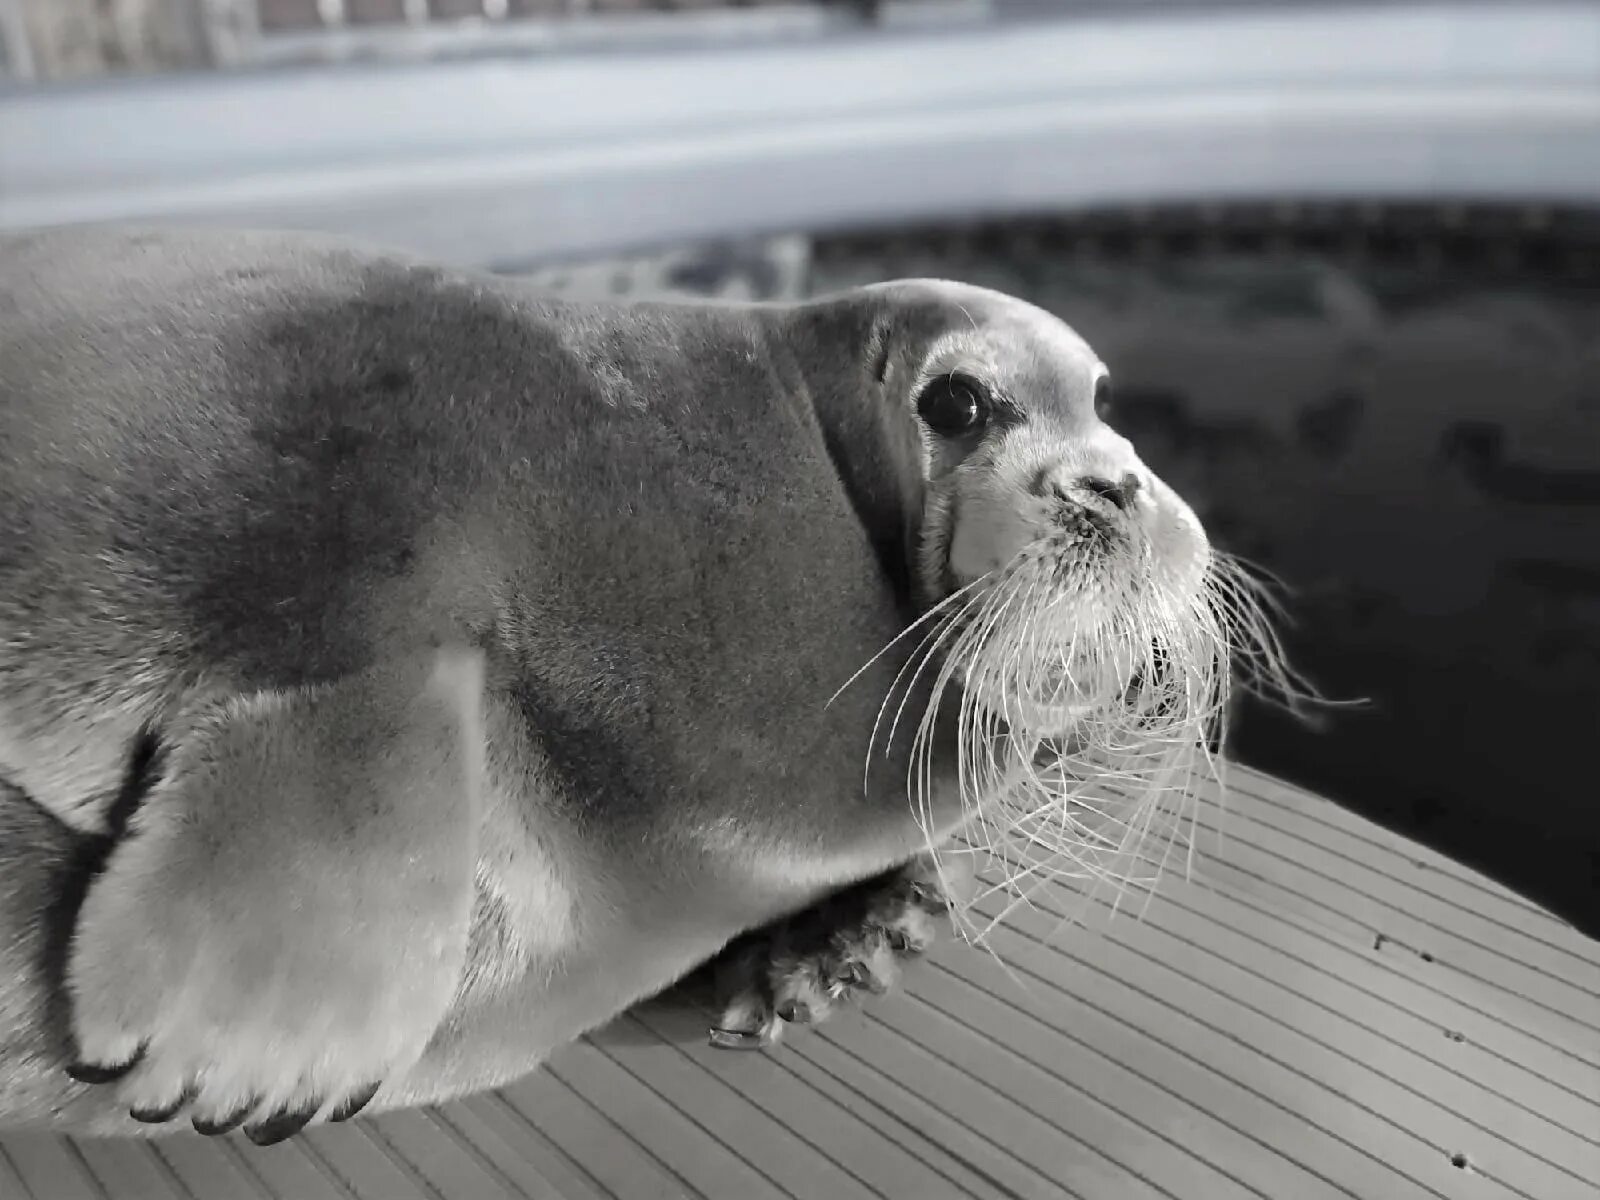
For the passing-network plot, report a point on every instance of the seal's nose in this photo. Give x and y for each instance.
(1121, 492)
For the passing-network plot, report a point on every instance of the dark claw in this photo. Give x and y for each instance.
(281, 1125)
(88, 1072)
(794, 1012)
(857, 976)
(900, 944)
(160, 1116)
(226, 1125)
(735, 1039)
(355, 1102)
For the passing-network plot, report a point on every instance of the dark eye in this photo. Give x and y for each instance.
(952, 406)
(1102, 398)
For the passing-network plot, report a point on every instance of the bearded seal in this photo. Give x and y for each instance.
(403, 673)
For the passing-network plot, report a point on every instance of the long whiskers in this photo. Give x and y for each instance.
(1089, 711)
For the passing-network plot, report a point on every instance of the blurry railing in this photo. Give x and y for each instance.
(323, 30)
(59, 39)
(43, 40)
(55, 39)
(516, 159)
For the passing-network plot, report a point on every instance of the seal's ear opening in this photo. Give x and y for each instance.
(879, 346)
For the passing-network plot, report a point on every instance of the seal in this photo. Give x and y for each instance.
(402, 672)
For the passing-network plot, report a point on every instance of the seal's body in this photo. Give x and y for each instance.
(402, 673)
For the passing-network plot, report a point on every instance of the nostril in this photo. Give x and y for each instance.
(1047, 484)
(1121, 493)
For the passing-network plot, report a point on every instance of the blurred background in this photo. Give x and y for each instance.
(1343, 258)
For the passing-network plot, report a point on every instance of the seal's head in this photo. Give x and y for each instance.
(1027, 478)
(1071, 602)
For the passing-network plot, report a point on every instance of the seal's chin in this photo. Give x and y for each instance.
(1034, 719)
(1063, 640)
(1055, 690)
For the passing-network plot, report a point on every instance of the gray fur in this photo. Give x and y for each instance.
(287, 470)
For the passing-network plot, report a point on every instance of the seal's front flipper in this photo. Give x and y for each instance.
(798, 971)
(285, 922)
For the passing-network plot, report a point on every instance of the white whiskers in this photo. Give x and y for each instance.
(1089, 708)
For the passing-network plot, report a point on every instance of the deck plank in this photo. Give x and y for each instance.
(358, 1158)
(1267, 793)
(51, 1167)
(602, 1148)
(940, 1073)
(1495, 955)
(1316, 821)
(1498, 987)
(1208, 1058)
(686, 1143)
(1399, 1101)
(895, 1114)
(201, 1169)
(744, 1112)
(1246, 1033)
(302, 1174)
(527, 1162)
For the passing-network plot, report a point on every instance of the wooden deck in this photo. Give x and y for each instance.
(1325, 1010)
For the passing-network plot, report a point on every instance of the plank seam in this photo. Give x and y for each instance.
(928, 1052)
(698, 1124)
(1493, 952)
(1358, 1062)
(182, 1186)
(768, 1113)
(74, 1151)
(1463, 879)
(253, 1177)
(1100, 1102)
(498, 1100)
(1243, 933)
(606, 1117)
(1440, 1064)
(872, 1068)
(406, 1167)
(1462, 874)
(319, 1163)
(473, 1151)
(1221, 1074)
(1311, 927)
(1246, 901)
(10, 1165)
(1328, 851)
(1437, 961)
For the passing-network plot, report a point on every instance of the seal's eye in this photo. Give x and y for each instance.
(1102, 398)
(952, 406)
